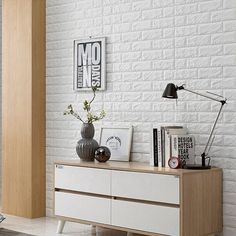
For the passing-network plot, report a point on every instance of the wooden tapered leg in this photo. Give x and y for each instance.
(93, 230)
(60, 226)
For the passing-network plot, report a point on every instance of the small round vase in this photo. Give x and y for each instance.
(86, 146)
(102, 154)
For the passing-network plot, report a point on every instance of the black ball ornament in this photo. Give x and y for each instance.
(102, 154)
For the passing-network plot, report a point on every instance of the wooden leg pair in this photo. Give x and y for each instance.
(61, 224)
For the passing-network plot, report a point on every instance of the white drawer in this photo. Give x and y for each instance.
(146, 217)
(83, 179)
(83, 207)
(144, 186)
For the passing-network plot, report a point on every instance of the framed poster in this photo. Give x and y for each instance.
(118, 140)
(89, 64)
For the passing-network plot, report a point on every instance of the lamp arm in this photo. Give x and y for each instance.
(200, 94)
(213, 128)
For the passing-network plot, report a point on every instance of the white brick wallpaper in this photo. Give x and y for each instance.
(0, 96)
(143, 39)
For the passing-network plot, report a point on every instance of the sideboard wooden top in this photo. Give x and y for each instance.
(130, 166)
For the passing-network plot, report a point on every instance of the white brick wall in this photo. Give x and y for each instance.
(140, 62)
(0, 100)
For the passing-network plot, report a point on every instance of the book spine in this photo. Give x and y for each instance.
(163, 146)
(152, 148)
(159, 147)
(155, 144)
(167, 148)
(174, 146)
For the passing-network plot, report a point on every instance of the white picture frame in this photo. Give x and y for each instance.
(89, 64)
(118, 140)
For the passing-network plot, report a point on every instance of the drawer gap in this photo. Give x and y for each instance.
(82, 193)
(146, 202)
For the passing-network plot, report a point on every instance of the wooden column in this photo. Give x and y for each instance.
(23, 190)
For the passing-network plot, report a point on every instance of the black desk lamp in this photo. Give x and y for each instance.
(171, 92)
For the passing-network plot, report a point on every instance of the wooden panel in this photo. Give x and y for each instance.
(38, 141)
(23, 95)
(201, 203)
(129, 166)
(146, 217)
(83, 179)
(83, 207)
(144, 186)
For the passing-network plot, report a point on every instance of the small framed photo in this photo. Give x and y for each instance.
(89, 64)
(118, 140)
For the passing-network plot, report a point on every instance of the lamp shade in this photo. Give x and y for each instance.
(170, 91)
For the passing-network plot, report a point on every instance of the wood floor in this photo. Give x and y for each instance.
(47, 227)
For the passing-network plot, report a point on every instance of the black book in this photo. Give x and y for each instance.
(155, 146)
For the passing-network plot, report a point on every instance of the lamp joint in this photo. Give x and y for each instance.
(180, 87)
(223, 102)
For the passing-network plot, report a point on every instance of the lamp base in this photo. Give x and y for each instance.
(197, 167)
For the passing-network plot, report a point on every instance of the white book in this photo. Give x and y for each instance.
(183, 146)
(168, 133)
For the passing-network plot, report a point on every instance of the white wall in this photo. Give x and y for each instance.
(0, 100)
(140, 62)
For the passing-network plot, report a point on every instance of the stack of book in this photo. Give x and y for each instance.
(171, 141)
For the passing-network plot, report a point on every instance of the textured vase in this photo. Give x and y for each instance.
(86, 146)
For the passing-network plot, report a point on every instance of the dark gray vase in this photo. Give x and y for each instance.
(86, 146)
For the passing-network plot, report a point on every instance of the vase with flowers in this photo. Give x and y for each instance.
(86, 146)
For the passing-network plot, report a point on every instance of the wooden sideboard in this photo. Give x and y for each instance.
(139, 198)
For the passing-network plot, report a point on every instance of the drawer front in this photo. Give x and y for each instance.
(83, 179)
(144, 186)
(83, 207)
(146, 217)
